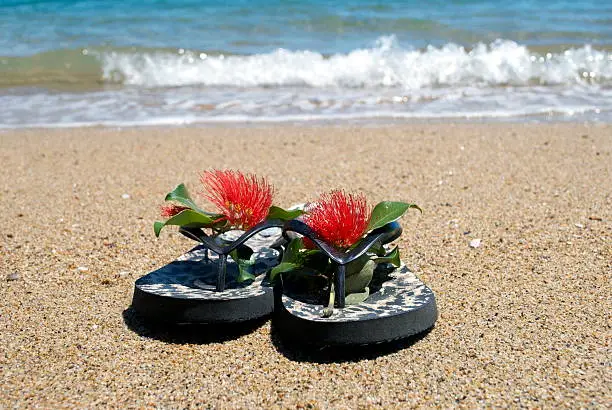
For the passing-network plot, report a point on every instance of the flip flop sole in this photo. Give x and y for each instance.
(402, 307)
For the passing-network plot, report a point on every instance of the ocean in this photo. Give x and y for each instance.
(158, 62)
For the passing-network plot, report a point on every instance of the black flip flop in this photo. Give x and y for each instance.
(399, 304)
(202, 287)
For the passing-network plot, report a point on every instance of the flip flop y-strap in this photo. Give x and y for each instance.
(223, 249)
(382, 236)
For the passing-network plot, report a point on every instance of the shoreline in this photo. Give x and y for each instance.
(535, 120)
(523, 318)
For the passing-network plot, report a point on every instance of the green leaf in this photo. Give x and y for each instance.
(307, 266)
(187, 218)
(279, 213)
(222, 225)
(359, 276)
(377, 249)
(392, 257)
(355, 266)
(388, 211)
(181, 195)
(303, 280)
(291, 259)
(357, 298)
(242, 256)
(292, 252)
(157, 227)
(282, 267)
(244, 274)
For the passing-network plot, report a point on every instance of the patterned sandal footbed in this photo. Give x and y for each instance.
(402, 307)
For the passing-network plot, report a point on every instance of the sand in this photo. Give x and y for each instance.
(524, 317)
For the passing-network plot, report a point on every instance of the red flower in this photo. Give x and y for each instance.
(168, 211)
(244, 200)
(339, 218)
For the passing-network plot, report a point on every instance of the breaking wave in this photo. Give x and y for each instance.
(501, 63)
(503, 79)
(387, 65)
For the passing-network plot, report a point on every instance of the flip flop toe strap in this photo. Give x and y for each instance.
(382, 235)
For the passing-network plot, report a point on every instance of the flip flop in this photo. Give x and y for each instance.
(399, 305)
(203, 287)
(230, 284)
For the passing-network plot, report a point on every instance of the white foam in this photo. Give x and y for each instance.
(502, 80)
(387, 64)
(192, 105)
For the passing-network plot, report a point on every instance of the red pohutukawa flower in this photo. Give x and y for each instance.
(243, 199)
(168, 211)
(339, 218)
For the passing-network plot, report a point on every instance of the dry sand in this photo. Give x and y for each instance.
(524, 318)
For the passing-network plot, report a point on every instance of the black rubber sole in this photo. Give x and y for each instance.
(359, 332)
(199, 311)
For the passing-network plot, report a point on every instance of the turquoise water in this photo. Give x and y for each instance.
(66, 63)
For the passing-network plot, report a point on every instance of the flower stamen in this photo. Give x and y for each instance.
(339, 218)
(243, 199)
(168, 211)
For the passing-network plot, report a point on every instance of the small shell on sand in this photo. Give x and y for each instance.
(13, 276)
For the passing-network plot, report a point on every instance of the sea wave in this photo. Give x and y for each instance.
(501, 63)
(386, 65)
(136, 87)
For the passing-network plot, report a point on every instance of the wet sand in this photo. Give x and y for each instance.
(524, 317)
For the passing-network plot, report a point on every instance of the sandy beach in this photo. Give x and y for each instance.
(524, 318)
